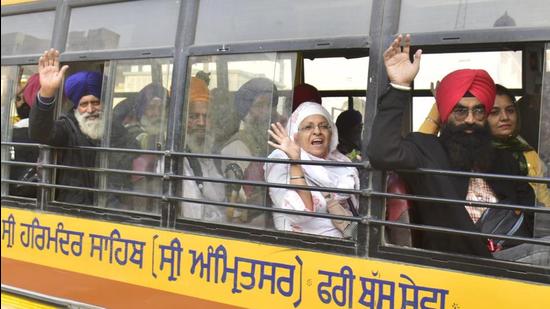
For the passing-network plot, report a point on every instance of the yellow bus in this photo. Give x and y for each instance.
(136, 246)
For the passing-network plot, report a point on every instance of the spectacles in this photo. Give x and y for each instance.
(323, 127)
(460, 112)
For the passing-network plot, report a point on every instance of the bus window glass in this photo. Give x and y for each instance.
(102, 27)
(27, 88)
(504, 67)
(26, 34)
(232, 119)
(337, 105)
(337, 73)
(253, 20)
(459, 14)
(544, 145)
(140, 99)
(9, 77)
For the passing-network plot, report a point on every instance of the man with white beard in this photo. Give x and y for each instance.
(81, 126)
(197, 123)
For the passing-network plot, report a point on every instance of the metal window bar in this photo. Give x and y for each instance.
(366, 192)
(364, 220)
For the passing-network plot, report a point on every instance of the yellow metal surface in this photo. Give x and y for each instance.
(248, 274)
(13, 301)
(11, 2)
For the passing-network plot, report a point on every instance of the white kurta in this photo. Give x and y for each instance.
(211, 191)
(289, 199)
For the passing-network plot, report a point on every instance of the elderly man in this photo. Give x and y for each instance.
(197, 122)
(464, 99)
(81, 126)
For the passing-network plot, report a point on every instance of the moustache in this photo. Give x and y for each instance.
(91, 116)
(462, 128)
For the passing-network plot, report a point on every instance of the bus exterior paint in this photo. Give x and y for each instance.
(116, 265)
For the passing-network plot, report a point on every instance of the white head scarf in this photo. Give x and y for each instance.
(305, 110)
(322, 176)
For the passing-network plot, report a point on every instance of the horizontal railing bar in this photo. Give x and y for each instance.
(432, 228)
(459, 203)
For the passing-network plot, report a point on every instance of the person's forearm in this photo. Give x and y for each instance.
(297, 177)
(42, 126)
(385, 149)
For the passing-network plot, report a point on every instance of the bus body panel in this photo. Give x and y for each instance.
(116, 265)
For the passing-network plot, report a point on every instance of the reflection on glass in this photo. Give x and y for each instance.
(25, 34)
(504, 67)
(336, 105)
(139, 115)
(252, 20)
(8, 88)
(28, 85)
(109, 28)
(468, 14)
(252, 92)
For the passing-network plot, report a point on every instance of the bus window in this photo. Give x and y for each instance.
(544, 147)
(342, 82)
(9, 77)
(337, 73)
(108, 29)
(138, 120)
(337, 105)
(459, 14)
(505, 67)
(28, 85)
(231, 118)
(25, 34)
(253, 20)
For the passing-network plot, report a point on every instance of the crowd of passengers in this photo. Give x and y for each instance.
(477, 121)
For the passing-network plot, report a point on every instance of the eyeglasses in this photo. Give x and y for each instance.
(460, 112)
(323, 127)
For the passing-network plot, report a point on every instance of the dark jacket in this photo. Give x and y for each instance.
(23, 173)
(388, 150)
(65, 132)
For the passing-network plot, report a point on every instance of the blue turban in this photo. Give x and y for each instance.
(82, 84)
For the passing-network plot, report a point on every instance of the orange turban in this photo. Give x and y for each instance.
(453, 87)
(198, 90)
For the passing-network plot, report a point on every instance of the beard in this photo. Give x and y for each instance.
(151, 126)
(195, 140)
(468, 151)
(92, 127)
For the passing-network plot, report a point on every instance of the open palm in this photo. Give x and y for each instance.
(398, 65)
(50, 74)
(283, 141)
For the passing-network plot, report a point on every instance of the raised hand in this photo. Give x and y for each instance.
(283, 141)
(398, 65)
(50, 74)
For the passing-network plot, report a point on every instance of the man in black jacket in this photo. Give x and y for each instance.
(464, 98)
(82, 126)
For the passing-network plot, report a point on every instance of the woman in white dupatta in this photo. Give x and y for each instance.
(310, 135)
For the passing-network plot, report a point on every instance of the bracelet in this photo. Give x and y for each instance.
(297, 177)
(400, 87)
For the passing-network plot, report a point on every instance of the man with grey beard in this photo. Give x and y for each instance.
(81, 126)
(197, 123)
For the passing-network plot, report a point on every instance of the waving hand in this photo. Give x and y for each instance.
(400, 69)
(50, 74)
